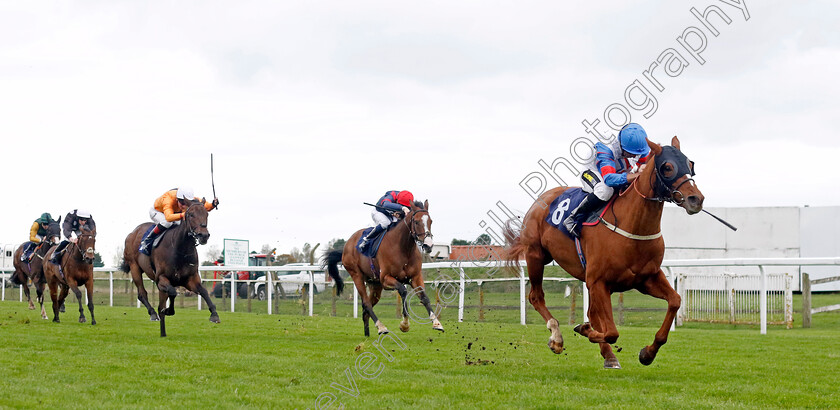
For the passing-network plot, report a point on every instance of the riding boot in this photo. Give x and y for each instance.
(58, 251)
(574, 221)
(369, 237)
(146, 243)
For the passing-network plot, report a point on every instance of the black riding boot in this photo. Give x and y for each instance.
(146, 243)
(367, 239)
(58, 251)
(574, 221)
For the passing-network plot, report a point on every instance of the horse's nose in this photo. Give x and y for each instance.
(695, 203)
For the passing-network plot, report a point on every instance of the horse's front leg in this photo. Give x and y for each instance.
(602, 330)
(75, 288)
(89, 289)
(194, 285)
(659, 287)
(391, 283)
(420, 290)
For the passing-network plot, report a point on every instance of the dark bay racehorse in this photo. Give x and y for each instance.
(76, 268)
(34, 269)
(173, 263)
(615, 262)
(399, 263)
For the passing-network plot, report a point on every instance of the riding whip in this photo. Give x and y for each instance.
(721, 221)
(212, 179)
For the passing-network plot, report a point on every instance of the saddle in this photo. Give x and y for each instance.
(159, 237)
(566, 203)
(375, 241)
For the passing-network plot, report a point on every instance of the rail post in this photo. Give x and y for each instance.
(111, 288)
(762, 299)
(461, 284)
(806, 300)
(480, 302)
(521, 295)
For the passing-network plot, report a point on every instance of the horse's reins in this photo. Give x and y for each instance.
(657, 198)
(191, 231)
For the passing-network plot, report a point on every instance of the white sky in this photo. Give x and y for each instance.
(311, 108)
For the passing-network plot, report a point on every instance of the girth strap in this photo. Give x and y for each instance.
(626, 234)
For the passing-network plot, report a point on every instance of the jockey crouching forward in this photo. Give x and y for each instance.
(37, 233)
(72, 228)
(394, 203)
(608, 169)
(169, 210)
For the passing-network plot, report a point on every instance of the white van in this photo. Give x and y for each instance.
(7, 254)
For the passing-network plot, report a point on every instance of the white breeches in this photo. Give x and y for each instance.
(591, 182)
(159, 218)
(382, 219)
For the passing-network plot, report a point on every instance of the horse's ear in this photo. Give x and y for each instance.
(654, 147)
(203, 201)
(675, 142)
(426, 204)
(59, 219)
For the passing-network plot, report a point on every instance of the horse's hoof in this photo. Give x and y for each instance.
(82, 320)
(61, 309)
(611, 363)
(154, 317)
(582, 329)
(555, 347)
(646, 358)
(404, 328)
(384, 332)
(93, 322)
(31, 307)
(169, 312)
(215, 319)
(56, 321)
(439, 329)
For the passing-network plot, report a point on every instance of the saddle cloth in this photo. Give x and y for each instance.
(565, 204)
(375, 242)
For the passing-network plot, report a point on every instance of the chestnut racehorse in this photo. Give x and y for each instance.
(173, 263)
(34, 269)
(76, 264)
(625, 256)
(399, 263)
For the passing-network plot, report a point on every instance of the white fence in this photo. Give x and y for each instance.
(733, 298)
(457, 269)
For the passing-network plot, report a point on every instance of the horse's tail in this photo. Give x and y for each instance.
(15, 278)
(513, 245)
(330, 260)
(124, 266)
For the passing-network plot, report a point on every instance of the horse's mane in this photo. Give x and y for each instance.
(419, 205)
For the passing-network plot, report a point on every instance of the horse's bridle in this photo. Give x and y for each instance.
(190, 231)
(411, 230)
(79, 248)
(662, 189)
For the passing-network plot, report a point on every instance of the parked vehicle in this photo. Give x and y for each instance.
(292, 283)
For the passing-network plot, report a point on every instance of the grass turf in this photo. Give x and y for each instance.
(289, 361)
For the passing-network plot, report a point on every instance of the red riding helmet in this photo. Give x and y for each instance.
(405, 198)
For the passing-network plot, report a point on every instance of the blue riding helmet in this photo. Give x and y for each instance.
(634, 139)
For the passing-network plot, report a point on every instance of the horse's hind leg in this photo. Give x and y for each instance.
(375, 294)
(534, 261)
(367, 306)
(659, 287)
(89, 289)
(142, 296)
(194, 285)
(162, 298)
(39, 292)
(25, 285)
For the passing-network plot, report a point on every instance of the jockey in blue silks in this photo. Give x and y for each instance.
(611, 167)
(387, 210)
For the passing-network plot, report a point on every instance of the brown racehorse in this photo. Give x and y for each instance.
(399, 263)
(34, 269)
(173, 263)
(615, 263)
(76, 269)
